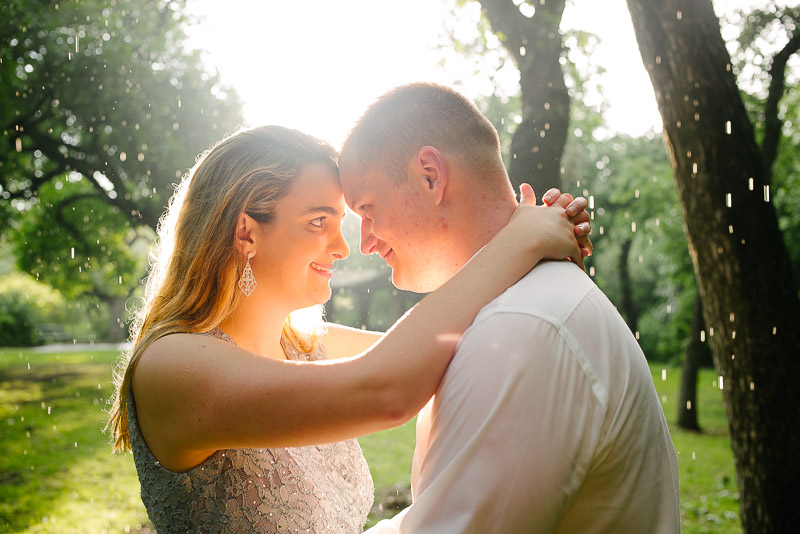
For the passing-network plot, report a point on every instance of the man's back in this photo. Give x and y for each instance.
(546, 421)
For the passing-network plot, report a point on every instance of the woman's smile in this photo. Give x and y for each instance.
(323, 269)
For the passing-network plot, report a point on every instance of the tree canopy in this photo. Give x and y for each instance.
(102, 109)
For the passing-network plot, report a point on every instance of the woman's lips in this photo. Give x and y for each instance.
(323, 269)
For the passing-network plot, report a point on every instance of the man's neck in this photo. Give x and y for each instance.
(480, 226)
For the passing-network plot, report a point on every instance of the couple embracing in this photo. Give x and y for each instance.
(538, 411)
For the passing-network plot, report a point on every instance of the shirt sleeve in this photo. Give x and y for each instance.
(512, 433)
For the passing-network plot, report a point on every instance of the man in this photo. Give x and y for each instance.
(546, 419)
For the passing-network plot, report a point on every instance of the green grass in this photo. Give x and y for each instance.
(57, 474)
(707, 476)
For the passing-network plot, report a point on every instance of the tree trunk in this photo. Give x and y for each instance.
(536, 45)
(696, 351)
(629, 307)
(742, 268)
(117, 318)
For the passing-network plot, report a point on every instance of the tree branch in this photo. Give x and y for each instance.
(36, 183)
(772, 124)
(51, 147)
(504, 17)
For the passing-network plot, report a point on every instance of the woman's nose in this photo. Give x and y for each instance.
(340, 248)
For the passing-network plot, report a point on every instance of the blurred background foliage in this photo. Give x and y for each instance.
(102, 109)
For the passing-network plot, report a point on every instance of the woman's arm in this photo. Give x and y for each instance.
(196, 394)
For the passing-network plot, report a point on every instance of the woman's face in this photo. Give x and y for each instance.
(296, 251)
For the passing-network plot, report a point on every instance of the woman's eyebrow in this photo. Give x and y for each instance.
(324, 209)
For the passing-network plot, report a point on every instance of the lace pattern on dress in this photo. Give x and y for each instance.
(315, 489)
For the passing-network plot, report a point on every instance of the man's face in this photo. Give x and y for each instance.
(396, 224)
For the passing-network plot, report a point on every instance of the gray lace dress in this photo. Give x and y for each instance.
(316, 489)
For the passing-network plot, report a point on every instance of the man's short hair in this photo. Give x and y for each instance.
(411, 116)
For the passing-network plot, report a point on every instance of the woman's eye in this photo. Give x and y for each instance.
(318, 222)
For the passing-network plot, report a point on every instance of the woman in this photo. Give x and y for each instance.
(222, 397)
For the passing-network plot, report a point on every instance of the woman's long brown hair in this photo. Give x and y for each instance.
(191, 286)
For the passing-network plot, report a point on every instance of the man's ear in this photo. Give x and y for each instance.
(243, 236)
(433, 171)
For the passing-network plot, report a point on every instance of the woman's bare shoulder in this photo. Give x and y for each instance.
(185, 351)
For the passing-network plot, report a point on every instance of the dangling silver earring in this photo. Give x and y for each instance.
(247, 283)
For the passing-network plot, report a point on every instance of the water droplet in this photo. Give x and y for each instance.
(720, 382)
(766, 193)
(663, 375)
(679, 15)
(750, 182)
(728, 127)
(728, 200)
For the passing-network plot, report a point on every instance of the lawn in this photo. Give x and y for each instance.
(57, 474)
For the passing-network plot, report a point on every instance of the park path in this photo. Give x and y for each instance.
(74, 347)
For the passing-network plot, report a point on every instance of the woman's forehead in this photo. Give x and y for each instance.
(316, 188)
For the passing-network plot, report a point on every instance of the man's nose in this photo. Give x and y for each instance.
(368, 241)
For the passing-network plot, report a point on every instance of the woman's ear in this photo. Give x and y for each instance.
(244, 235)
(432, 169)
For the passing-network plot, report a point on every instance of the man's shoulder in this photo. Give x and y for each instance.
(552, 290)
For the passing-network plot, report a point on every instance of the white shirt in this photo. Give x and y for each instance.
(546, 420)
